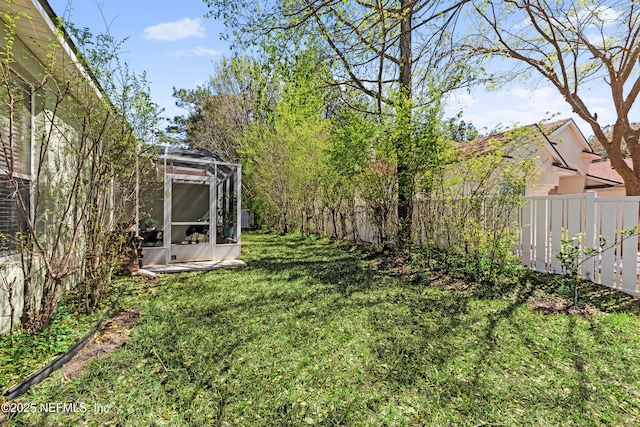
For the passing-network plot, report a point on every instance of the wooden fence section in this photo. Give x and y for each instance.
(547, 220)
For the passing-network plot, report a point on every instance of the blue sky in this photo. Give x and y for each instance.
(176, 45)
(170, 40)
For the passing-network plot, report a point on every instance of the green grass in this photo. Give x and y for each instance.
(29, 352)
(310, 334)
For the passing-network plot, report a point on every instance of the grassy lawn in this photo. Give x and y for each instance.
(310, 334)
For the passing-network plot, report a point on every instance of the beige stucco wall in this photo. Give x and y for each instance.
(10, 276)
(571, 185)
(543, 179)
(568, 147)
(567, 144)
(611, 192)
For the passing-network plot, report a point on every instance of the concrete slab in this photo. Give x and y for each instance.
(183, 267)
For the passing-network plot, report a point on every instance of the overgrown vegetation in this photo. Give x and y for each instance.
(22, 353)
(69, 151)
(316, 162)
(320, 333)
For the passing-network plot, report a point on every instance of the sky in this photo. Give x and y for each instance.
(169, 39)
(176, 45)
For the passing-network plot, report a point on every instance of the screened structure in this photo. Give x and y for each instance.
(192, 212)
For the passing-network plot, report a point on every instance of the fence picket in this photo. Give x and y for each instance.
(607, 231)
(547, 220)
(629, 249)
(556, 234)
(574, 218)
(588, 268)
(527, 227)
(542, 234)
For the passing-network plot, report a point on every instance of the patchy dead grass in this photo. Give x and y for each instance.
(549, 307)
(113, 335)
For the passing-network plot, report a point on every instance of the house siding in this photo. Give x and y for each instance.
(55, 178)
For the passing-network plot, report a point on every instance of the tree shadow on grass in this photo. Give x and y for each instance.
(444, 340)
(321, 264)
(412, 344)
(423, 338)
(604, 298)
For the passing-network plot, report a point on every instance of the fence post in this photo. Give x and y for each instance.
(587, 270)
(629, 248)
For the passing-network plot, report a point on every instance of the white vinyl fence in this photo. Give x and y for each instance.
(547, 220)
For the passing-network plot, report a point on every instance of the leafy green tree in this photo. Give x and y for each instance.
(462, 131)
(284, 157)
(351, 143)
(389, 52)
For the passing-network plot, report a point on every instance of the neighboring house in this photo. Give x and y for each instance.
(564, 159)
(34, 28)
(614, 182)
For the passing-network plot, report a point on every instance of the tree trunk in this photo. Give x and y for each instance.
(612, 146)
(403, 144)
(51, 293)
(12, 308)
(335, 224)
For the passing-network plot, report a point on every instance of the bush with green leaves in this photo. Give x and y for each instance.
(574, 254)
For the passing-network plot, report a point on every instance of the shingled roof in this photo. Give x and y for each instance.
(538, 133)
(604, 170)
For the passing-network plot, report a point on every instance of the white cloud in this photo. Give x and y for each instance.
(178, 30)
(595, 39)
(523, 106)
(458, 100)
(592, 17)
(603, 13)
(538, 100)
(517, 105)
(520, 25)
(198, 51)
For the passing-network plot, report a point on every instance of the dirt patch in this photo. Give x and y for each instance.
(548, 307)
(395, 267)
(455, 285)
(391, 264)
(445, 282)
(113, 335)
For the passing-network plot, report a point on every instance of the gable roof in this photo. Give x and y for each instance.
(542, 134)
(486, 144)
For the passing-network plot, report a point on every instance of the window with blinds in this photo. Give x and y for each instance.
(15, 155)
(15, 128)
(12, 218)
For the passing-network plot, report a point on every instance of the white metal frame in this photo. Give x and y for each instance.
(214, 251)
